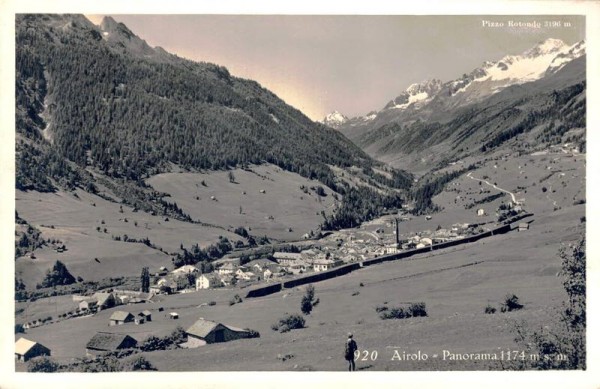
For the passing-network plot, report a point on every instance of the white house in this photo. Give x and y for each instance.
(391, 249)
(186, 269)
(426, 241)
(481, 212)
(207, 281)
(286, 259)
(298, 267)
(267, 274)
(227, 268)
(325, 264)
(240, 274)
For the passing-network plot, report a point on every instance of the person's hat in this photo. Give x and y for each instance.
(349, 334)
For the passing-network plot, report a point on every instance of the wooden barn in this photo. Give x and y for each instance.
(212, 332)
(105, 300)
(26, 349)
(104, 342)
(121, 317)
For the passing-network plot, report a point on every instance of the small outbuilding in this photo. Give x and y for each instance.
(174, 315)
(104, 342)
(212, 332)
(26, 349)
(481, 212)
(146, 314)
(88, 305)
(121, 317)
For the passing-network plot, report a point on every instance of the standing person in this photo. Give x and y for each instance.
(351, 348)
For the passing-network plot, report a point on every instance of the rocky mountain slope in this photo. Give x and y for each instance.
(488, 105)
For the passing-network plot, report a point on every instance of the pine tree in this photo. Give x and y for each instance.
(145, 278)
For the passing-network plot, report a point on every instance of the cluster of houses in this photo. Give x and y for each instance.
(228, 272)
(104, 300)
(123, 317)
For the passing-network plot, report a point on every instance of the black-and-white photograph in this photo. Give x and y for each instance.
(299, 192)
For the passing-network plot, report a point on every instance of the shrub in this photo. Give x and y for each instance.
(153, 343)
(137, 363)
(211, 303)
(413, 310)
(289, 322)
(489, 309)
(394, 313)
(356, 293)
(235, 300)
(306, 305)
(510, 303)
(561, 344)
(19, 328)
(417, 309)
(381, 308)
(308, 300)
(252, 333)
(284, 328)
(42, 365)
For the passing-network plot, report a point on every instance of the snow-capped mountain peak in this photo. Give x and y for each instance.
(575, 51)
(335, 119)
(533, 64)
(548, 46)
(416, 95)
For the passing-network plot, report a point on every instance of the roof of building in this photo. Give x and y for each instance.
(209, 276)
(22, 346)
(107, 341)
(228, 266)
(120, 315)
(186, 269)
(282, 255)
(147, 312)
(102, 297)
(202, 328)
(323, 262)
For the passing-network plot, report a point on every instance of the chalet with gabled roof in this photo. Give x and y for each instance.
(26, 349)
(104, 342)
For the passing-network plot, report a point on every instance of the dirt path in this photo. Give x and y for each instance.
(512, 195)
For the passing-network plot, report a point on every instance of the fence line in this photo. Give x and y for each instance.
(345, 269)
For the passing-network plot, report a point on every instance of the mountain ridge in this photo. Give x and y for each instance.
(491, 77)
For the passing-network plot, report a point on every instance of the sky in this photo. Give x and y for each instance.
(352, 64)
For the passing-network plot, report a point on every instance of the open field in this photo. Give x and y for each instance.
(266, 200)
(75, 222)
(79, 221)
(456, 285)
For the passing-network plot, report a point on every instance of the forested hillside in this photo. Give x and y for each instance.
(129, 115)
